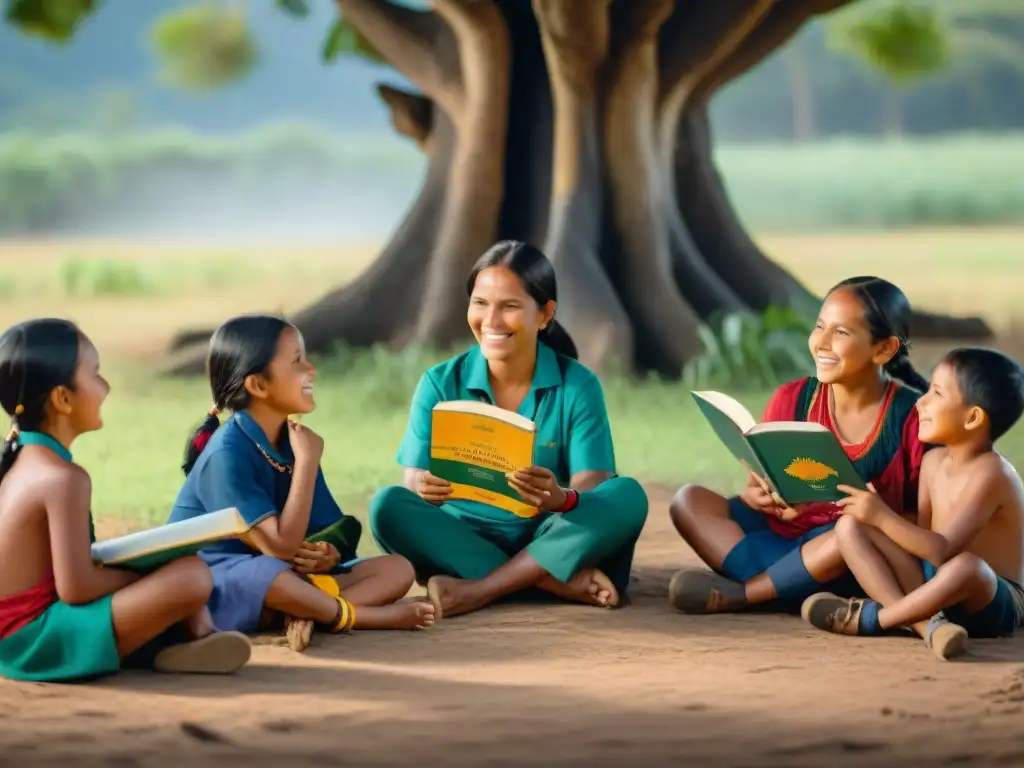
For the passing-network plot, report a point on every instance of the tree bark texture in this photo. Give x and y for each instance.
(580, 126)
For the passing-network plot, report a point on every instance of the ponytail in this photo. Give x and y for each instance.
(9, 454)
(556, 337)
(198, 440)
(901, 369)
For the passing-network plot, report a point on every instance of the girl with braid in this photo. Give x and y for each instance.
(864, 390)
(63, 617)
(298, 566)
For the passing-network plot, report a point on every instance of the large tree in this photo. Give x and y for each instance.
(581, 126)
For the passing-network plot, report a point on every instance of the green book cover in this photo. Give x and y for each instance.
(802, 460)
(344, 535)
(145, 551)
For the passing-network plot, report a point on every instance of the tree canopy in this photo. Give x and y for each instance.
(207, 44)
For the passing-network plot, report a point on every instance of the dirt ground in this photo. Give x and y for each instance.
(551, 685)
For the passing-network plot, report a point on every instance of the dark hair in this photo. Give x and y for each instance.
(537, 274)
(36, 357)
(991, 381)
(887, 311)
(242, 346)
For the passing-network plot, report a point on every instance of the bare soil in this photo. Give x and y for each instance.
(547, 685)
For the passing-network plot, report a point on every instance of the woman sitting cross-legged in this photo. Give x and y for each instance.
(579, 544)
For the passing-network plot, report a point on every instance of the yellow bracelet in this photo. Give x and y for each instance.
(346, 615)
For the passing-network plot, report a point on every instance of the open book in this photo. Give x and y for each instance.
(801, 460)
(146, 551)
(474, 444)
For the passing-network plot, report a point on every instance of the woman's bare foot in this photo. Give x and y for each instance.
(299, 633)
(415, 599)
(404, 614)
(451, 596)
(589, 586)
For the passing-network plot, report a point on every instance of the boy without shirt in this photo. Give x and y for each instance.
(958, 572)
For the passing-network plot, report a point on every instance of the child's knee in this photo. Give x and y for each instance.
(687, 502)
(966, 567)
(399, 571)
(848, 529)
(194, 581)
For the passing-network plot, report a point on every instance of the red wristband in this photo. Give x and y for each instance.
(572, 498)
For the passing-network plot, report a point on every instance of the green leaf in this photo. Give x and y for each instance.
(54, 20)
(904, 40)
(344, 39)
(204, 46)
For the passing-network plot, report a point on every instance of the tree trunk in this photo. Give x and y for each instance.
(664, 324)
(574, 39)
(581, 126)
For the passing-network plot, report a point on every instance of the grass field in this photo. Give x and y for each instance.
(131, 297)
(168, 180)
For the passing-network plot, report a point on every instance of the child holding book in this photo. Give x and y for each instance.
(298, 564)
(958, 573)
(577, 541)
(62, 617)
(863, 390)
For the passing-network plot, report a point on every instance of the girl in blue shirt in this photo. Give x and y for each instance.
(298, 562)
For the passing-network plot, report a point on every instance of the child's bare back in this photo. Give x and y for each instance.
(25, 559)
(62, 617)
(987, 485)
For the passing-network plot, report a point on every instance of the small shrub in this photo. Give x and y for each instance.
(751, 352)
(90, 277)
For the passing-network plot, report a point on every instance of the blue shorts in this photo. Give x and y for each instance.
(997, 619)
(240, 585)
(761, 547)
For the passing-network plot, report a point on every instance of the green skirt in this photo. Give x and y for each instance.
(67, 642)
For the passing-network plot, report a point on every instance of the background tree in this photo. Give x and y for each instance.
(582, 127)
(910, 40)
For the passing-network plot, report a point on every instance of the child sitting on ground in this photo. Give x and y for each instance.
(957, 573)
(62, 616)
(268, 467)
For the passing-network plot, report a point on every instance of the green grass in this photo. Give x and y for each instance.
(877, 183)
(363, 402)
(132, 296)
(56, 182)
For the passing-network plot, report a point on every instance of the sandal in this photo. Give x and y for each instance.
(220, 653)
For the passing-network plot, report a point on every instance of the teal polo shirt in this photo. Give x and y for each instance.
(565, 401)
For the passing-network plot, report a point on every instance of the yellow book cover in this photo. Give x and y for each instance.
(474, 444)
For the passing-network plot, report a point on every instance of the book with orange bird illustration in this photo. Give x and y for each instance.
(801, 460)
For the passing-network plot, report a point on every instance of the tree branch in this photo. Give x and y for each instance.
(697, 36)
(412, 114)
(482, 40)
(691, 43)
(782, 21)
(476, 180)
(694, 44)
(410, 40)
